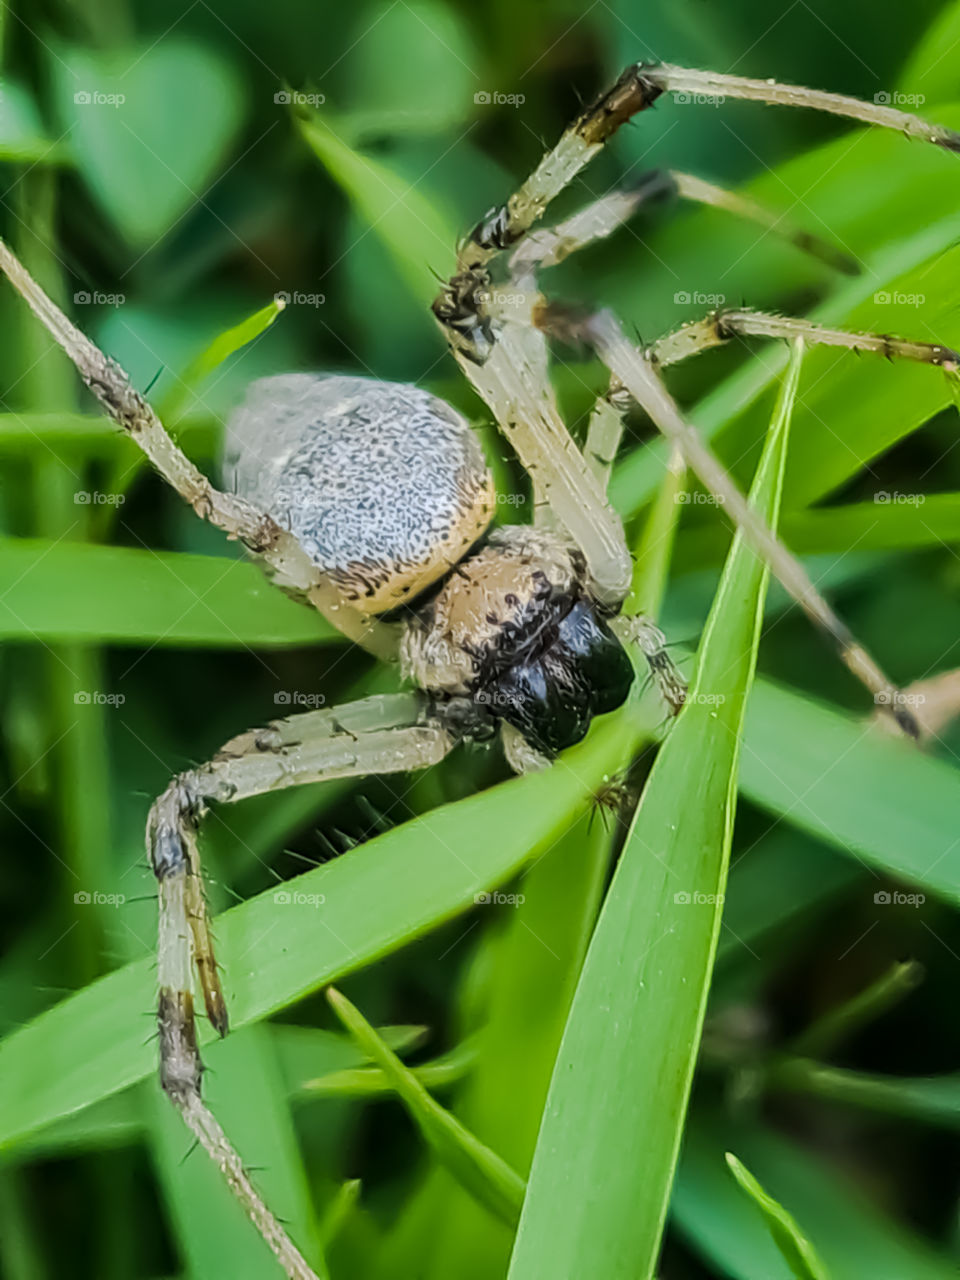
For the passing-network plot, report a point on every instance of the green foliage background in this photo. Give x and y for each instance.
(167, 170)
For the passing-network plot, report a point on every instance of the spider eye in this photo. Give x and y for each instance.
(552, 699)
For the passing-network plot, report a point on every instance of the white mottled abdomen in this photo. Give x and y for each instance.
(384, 485)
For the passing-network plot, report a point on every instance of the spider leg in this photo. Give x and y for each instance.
(636, 373)
(238, 518)
(637, 89)
(721, 326)
(385, 734)
(511, 375)
(600, 218)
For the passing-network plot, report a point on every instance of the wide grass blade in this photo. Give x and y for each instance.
(605, 1159)
(52, 590)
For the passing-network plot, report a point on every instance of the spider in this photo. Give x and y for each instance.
(372, 502)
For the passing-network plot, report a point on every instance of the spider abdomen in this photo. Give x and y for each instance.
(383, 485)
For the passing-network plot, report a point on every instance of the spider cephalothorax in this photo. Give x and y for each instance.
(515, 629)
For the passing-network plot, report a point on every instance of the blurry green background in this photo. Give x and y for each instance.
(166, 170)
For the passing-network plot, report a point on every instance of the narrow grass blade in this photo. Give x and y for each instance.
(476, 1167)
(374, 1082)
(220, 349)
(798, 1252)
(855, 1238)
(933, 1100)
(339, 1210)
(611, 1132)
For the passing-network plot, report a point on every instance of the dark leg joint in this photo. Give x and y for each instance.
(634, 91)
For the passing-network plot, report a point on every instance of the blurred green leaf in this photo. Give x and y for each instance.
(413, 225)
(414, 73)
(149, 127)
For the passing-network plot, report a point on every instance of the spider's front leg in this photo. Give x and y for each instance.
(386, 734)
(278, 548)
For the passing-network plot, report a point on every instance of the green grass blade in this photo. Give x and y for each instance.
(855, 1238)
(372, 1082)
(881, 799)
(223, 346)
(933, 1100)
(798, 1252)
(53, 590)
(477, 1168)
(602, 1171)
